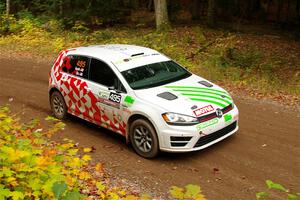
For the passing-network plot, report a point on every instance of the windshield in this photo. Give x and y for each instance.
(155, 74)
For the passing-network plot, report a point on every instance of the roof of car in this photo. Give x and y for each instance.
(124, 57)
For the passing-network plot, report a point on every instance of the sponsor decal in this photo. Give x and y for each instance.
(114, 97)
(227, 117)
(109, 103)
(104, 94)
(207, 124)
(200, 111)
(78, 73)
(129, 100)
(80, 66)
(78, 69)
(132, 58)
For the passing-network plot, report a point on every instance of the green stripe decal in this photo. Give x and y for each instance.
(207, 96)
(197, 88)
(209, 101)
(203, 92)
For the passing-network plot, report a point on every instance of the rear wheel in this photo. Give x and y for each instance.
(58, 105)
(143, 138)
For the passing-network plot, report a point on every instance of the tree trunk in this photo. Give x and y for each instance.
(298, 11)
(279, 9)
(288, 13)
(211, 12)
(161, 14)
(150, 5)
(195, 10)
(61, 8)
(134, 4)
(7, 7)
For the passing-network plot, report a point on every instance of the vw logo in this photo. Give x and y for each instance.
(219, 113)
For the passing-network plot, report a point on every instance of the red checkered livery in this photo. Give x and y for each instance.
(81, 102)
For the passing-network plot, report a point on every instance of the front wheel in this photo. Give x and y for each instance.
(58, 105)
(144, 139)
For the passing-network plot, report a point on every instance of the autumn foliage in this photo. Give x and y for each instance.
(34, 166)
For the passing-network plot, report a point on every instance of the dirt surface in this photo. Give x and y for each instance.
(267, 146)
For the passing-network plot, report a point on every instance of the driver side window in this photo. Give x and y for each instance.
(101, 73)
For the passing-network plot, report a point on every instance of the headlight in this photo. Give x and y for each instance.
(179, 119)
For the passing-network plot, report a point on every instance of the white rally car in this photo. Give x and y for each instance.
(143, 95)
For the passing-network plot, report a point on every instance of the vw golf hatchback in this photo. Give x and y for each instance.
(143, 95)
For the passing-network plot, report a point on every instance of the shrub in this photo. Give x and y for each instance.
(248, 57)
(8, 24)
(80, 26)
(103, 35)
(33, 166)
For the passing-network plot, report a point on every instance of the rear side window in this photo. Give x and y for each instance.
(101, 73)
(76, 65)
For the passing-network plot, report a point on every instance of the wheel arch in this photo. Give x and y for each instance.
(136, 116)
(65, 106)
(53, 89)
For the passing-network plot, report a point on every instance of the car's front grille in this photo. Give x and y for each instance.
(214, 115)
(179, 141)
(213, 136)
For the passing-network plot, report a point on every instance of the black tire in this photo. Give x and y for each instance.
(58, 105)
(143, 138)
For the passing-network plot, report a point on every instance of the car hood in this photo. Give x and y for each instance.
(193, 96)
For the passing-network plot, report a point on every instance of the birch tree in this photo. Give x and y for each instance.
(211, 12)
(7, 7)
(161, 14)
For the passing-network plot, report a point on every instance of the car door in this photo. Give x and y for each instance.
(109, 91)
(73, 87)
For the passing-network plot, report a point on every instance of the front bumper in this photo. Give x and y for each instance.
(193, 138)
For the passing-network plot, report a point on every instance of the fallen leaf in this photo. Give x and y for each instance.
(99, 167)
(87, 150)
